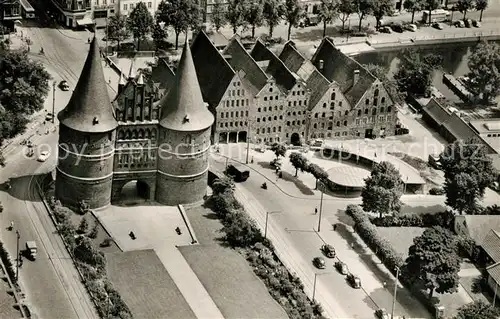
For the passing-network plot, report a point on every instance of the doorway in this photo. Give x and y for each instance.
(134, 191)
(295, 139)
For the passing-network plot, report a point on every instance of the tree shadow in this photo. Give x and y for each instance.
(303, 188)
(265, 165)
(409, 210)
(24, 187)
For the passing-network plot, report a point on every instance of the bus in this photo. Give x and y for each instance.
(27, 10)
(438, 15)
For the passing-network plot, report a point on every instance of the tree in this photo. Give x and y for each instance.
(273, 12)
(293, 13)
(235, 14)
(94, 231)
(117, 29)
(318, 172)
(278, 149)
(85, 252)
(381, 8)
(382, 190)
(253, 15)
(241, 231)
(328, 11)
(298, 161)
(431, 5)
(83, 207)
(179, 14)
(414, 74)
(433, 260)
(477, 310)
(468, 171)
(464, 6)
(484, 66)
(223, 185)
(481, 5)
(363, 8)
(140, 22)
(218, 15)
(83, 227)
(389, 84)
(346, 8)
(413, 6)
(159, 36)
(2, 160)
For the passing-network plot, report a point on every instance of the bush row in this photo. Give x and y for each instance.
(444, 219)
(368, 232)
(437, 191)
(241, 231)
(7, 261)
(92, 265)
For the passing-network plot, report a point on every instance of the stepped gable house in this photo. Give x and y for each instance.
(156, 131)
(288, 98)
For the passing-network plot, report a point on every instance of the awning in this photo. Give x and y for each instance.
(84, 21)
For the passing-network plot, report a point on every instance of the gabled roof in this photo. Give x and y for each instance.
(459, 128)
(241, 60)
(318, 85)
(340, 68)
(494, 272)
(163, 76)
(183, 108)
(214, 72)
(260, 52)
(284, 78)
(89, 109)
(491, 245)
(296, 62)
(436, 111)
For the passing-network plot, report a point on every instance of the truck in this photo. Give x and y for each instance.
(238, 173)
(31, 249)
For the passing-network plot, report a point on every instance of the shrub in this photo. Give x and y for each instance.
(468, 248)
(437, 191)
(83, 227)
(4, 255)
(444, 219)
(492, 210)
(94, 231)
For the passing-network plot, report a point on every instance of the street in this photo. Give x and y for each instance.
(52, 284)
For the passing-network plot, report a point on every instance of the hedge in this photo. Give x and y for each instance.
(368, 232)
(242, 232)
(444, 219)
(7, 261)
(91, 264)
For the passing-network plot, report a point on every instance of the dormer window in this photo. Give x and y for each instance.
(186, 119)
(95, 121)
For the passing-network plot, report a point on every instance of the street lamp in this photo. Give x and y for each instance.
(267, 218)
(395, 292)
(321, 187)
(18, 255)
(314, 283)
(53, 100)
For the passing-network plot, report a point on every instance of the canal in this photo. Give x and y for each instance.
(454, 61)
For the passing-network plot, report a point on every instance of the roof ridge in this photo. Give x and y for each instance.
(238, 41)
(215, 48)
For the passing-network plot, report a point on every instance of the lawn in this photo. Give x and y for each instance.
(401, 238)
(146, 287)
(231, 282)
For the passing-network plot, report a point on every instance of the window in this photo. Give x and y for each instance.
(265, 109)
(231, 114)
(271, 90)
(298, 113)
(389, 109)
(324, 104)
(258, 130)
(376, 93)
(221, 115)
(293, 93)
(294, 113)
(268, 130)
(281, 117)
(287, 123)
(270, 98)
(225, 124)
(235, 123)
(303, 121)
(381, 118)
(345, 123)
(382, 109)
(374, 112)
(269, 118)
(275, 118)
(258, 110)
(337, 134)
(281, 107)
(340, 103)
(279, 128)
(338, 123)
(221, 125)
(359, 112)
(323, 115)
(293, 122)
(258, 120)
(344, 133)
(367, 101)
(375, 101)
(149, 5)
(357, 121)
(316, 115)
(232, 103)
(366, 111)
(246, 113)
(346, 113)
(332, 97)
(382, 100)
(365, 120)
(315, 125)
(236, 113)
(125, 6)
(274, 129)
(275, 107)
(289, 103)
(294, 103)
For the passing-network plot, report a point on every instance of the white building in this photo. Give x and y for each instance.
(126, 6)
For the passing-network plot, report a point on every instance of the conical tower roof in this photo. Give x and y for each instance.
(183, 109)
(89, 109)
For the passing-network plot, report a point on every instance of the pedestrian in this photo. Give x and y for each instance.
(11, 225)
(334, 226)
(385, 284)
(315, 210)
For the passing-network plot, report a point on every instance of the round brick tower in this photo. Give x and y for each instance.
(184, 139)
(87, 139)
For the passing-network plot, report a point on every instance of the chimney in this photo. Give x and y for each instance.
(355, 78)
(321, 65)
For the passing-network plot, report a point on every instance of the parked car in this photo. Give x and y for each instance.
(396, 27)
(438, 26)
(319, 263)
(468, 23)
(238, 173)
(48, 117)
(44, 155)
(476, 23)
(459, 24)
(385, 30)
(411, 27)
(63, 85)
(31, 249)
(381, 313)
(354, 281)
(328, 250)
(341, 268)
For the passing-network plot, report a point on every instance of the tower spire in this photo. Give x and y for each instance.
(183, 108)
(89, 109)
(131, 71)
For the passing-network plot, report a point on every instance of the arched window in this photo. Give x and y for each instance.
(189, 139)
(374, 112)
(316, 115)
(315, 125)
(382, 100)
(258, 110)
(382, 109)
(268, 130)
(323, 115)
(375, 93)
(121, 135)
(333, 96)
(338, 123)
(367, 101)
(346, 113)
(389, 109)
(258, 130)
(324, 104)
(345, 123)
(275, 118)
(274, 129)
(359, 112)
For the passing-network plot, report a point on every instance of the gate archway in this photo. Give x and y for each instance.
(295, 139)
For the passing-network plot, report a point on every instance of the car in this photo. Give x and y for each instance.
(319, 263)
(476, 23)
(438, 26)
(385, 30)
(468, 23)
(63, 85)
(459, 24)
(48, 117)
(411, 27)
(341, 268)
(328, 250)
(381, 313)
(44, 155)
(397, 28)
(354, 281)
